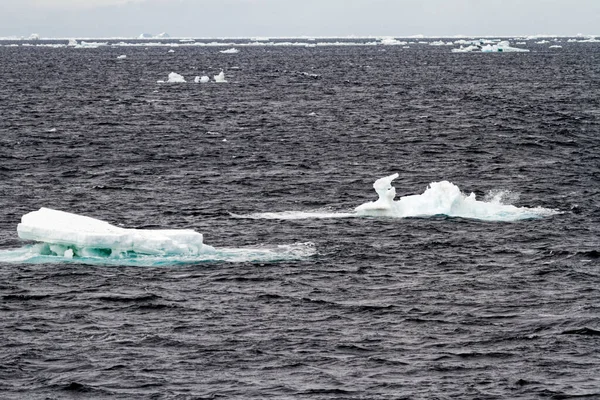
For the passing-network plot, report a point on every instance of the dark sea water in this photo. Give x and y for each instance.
(387, 308)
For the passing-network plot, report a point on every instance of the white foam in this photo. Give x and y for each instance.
(176, 78)
(230, 51)
(220, 78)
(440, 198)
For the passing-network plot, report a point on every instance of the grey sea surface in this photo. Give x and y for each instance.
(386, 308)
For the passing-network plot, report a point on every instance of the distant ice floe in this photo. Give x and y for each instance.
(121, 57)
(555, 46)
(488, 47)
(440, 198)
(64, 237)
(390, 41)
(232, 50)
(174, 77)
(162, 35)
(220, 78)
(202, 79)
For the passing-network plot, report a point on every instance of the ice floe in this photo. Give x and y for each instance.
(232, 50)
(220, 78)
(202, 79)
(64, 237)
(439, 198)
(390, 41)
(121, 57)
(175, 78)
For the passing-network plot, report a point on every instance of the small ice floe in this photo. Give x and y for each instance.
(502, 47)
(230, 51)
(312, 114)
(220, 78)
(467, 49)
(202, 79)
(555, 46)
(390, 41)
(121, 57)
(51, 130)
(176, 78)
(160, 81)
(171, 51)
(542, 42)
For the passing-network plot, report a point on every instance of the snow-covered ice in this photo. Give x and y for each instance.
(230, 51)
(440, 198)
(85, 236)
(202, 79)
(176, 78)
(64, 237)
(121, 57)
(220, 78)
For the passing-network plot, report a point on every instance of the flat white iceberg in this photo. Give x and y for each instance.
(230, 51)
(121, 57)
(502, 47)
(175, 78)
(220, 78)
(389, 41)
(64, 237)
(86, 236)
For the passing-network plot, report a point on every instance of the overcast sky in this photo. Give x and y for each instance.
(232, 18)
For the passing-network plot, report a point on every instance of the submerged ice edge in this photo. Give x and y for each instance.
(34, 254)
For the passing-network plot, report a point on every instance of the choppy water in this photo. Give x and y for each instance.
(388, 308)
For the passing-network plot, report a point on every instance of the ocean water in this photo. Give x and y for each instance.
(431, 307)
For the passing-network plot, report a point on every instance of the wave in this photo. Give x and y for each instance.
(439, 198)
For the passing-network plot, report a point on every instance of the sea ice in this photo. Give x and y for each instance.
(230, 51)
(176, 78)
(70, 238)
(121, 57)
(389, 41)
(220, 78)
(76, 235)
(440, 198)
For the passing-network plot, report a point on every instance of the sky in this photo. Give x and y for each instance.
(287, 18)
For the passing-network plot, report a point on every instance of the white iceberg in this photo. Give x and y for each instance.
(220, 78)
(64, 237)
(440, 198)
(72, 42)
(121, 57)
(390, 41)
(555, 46)
(502, 47)
(230, 51)
(202, 79)
(34, 36)
(175, 78)
(467, 49)
(84, 236)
